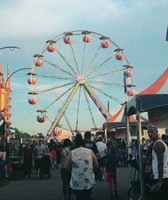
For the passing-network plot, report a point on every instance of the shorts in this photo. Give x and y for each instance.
(110, 177)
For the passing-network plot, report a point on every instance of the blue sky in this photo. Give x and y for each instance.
(138, 26)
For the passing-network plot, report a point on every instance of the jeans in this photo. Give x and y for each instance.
(66, 175)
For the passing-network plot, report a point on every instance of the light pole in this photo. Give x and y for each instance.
(3, 126)
(9, 47)
(8, 78)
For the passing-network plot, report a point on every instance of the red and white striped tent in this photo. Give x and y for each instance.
(160, 86)
(116, 125)
(154, 96)
(119, 119)
(154, 100)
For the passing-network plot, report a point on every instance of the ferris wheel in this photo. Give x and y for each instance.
(75, 77)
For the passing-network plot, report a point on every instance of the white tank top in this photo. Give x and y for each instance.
(155, 162)
(82, 175)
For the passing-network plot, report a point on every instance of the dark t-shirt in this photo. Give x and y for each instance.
(111, 162)
(92, 146)
(28, 153)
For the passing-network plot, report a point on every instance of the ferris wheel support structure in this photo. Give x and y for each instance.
(63, 109)
(97, 102)
(90, 92)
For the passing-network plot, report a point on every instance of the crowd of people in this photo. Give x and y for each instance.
(39, 155)
(86, 159)
(86, 156)
(82, 161)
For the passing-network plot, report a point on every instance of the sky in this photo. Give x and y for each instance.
(137, 26)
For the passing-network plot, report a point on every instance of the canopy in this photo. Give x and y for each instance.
(119, 119)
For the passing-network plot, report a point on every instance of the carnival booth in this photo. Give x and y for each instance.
(15, 168)
(118, 122)
(154, 101)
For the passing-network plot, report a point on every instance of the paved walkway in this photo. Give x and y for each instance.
(51, 189)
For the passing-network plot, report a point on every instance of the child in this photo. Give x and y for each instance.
(111, 165)
(65, 174)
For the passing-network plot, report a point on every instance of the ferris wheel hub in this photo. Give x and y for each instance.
(80, 79)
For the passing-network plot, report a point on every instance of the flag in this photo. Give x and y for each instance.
(167, 34)
(125, 84)
(108, 106)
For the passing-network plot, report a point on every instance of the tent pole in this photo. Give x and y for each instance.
(139, 137)
(128, 138)
(128, 135)
(105, 133)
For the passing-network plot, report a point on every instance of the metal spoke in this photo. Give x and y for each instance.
(105, 74)
(68, 123)
(78, 106)
(89, 107)
(83, 56)
(58, 67)
(58, 98)
(111, 97)
(53, 88)
(92, 60)
(106, 83)
(53, 77)
(98, 67)
(73, 53)
(65, 60)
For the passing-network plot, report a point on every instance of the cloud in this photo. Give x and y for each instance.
(17, 85)
(37, 18)
(31, 18)
(34, 18)
(40, 17)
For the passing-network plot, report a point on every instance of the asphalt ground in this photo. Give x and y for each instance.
(51, 189)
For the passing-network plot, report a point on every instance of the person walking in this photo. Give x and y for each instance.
(81, 162)
(28, 157)
(3, 170)
(111, 170)
(159, 164)
(102, 150)
(39, 151)
(65, 174)
(88, 143)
